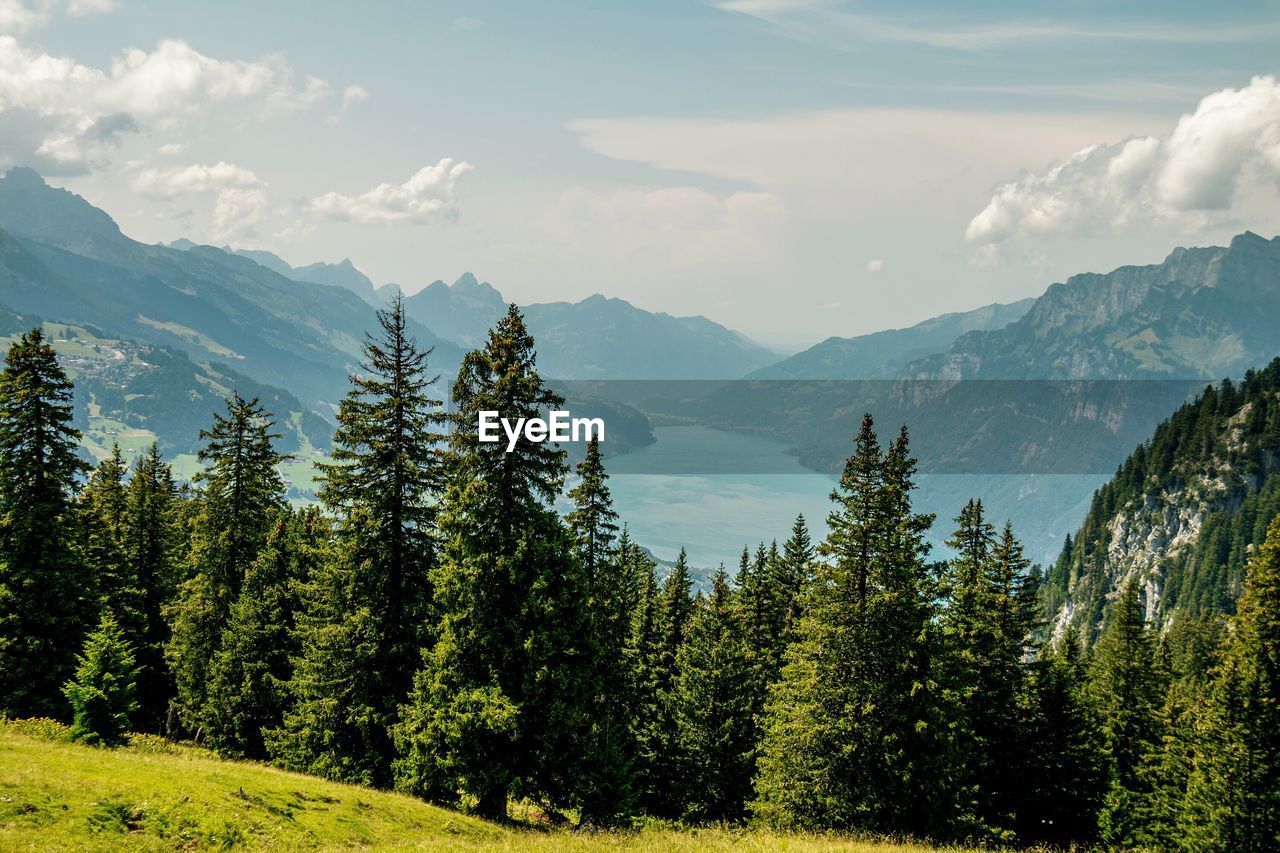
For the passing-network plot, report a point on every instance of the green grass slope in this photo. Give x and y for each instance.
(153, 795)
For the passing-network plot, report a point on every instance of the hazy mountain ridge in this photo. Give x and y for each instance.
(609, 338)
(882, 355)
(64, 258)
(463, 311)
(595, 338)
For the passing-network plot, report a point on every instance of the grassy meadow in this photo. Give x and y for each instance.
(155, 795)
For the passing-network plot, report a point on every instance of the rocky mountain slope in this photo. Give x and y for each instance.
(1203, 313)
(1181, 515)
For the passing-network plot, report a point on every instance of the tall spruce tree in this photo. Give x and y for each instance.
(1126, 688)
(986, 625)
(1233, 795)
(714, 703)
(848, 725)
(1067, 776)
(241, 496)
(794, 573)
(661, 784)
(385, 480)
(249, 676)
(47, 596)
(608, 789)
(101, 522)
(642, 659)
(500, 706)
(151, 552)
(592, 521)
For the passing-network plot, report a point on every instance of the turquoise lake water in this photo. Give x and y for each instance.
(714, 514)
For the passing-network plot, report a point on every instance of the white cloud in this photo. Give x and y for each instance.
(353, 95)
(63, 117)
(875, 265)
(171, 149)
(428, 195)
(239, 196)
(90, 7)
(1189, 176)
(839, 25)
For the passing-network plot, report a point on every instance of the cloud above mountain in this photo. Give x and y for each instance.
(428, 195)
(239, 196)
(1198, 172)
(64, 117)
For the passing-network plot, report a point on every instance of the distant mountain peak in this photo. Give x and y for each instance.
(466, 280)
(25, 176)
(28, 205)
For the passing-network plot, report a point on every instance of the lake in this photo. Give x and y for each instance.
(713, 514)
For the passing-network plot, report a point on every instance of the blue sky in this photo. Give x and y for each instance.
(792, 168)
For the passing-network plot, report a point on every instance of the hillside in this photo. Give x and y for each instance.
(1181, 515)
(881, 355)
(155, 795)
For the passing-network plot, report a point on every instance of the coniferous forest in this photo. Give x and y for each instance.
(437, 627)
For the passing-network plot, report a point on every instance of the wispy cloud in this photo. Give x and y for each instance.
(839, 25)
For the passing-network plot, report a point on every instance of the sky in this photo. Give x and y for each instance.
(794, 169)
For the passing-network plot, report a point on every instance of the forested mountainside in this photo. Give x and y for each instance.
(1181, 516)
(882, 355)
(1203, 313)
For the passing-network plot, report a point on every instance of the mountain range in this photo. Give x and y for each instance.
(883, 355)
(595, 338)
(65, 260)
(1204, 313)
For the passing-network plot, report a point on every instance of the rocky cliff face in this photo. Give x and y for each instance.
(1181, 516)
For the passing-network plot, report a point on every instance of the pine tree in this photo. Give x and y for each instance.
(593, 522)
(376, 596)
(1233, 796)
(331, 729)
(715, 705)
(1126, 689)
(103, 692)
(661, 784)
(101, 522)
(849, 726)
(242, 495)
(500, 706)
(151, 553)
(608, 777)
(794, 574)
(1067, 777)
(47, 596)
(642, 660)
(986, 625)
(248, 678)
